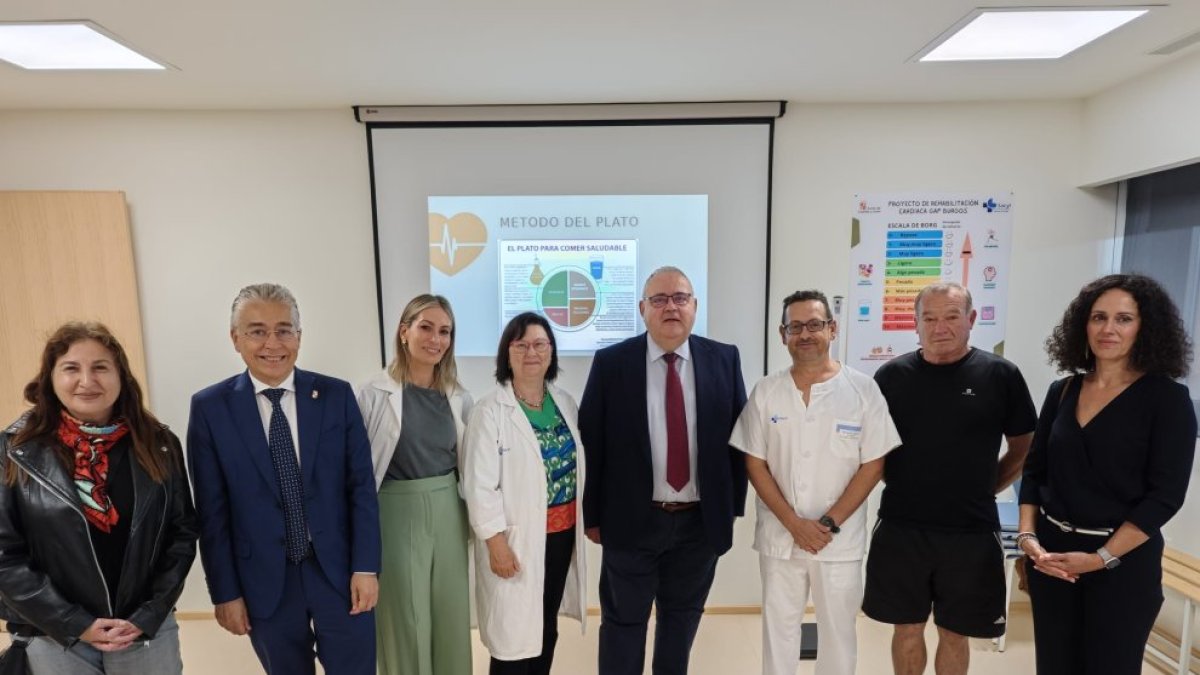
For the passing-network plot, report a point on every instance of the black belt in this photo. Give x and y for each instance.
(674, 507)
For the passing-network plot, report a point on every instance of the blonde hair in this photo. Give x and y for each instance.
(445, 373)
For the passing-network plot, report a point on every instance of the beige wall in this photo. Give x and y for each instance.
(217, 201)
(1143, 125)
(221, 199)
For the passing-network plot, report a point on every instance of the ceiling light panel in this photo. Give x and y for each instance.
(74, 45)
(1030, 33)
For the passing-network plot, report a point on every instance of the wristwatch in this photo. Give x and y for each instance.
(828, 522)
(1110, 561)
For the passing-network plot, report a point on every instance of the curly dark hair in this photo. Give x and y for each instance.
(1162, 345)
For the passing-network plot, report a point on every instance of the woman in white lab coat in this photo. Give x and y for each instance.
(523, 482)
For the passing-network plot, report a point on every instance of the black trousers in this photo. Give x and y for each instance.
(1099, 624)
(560, 546)
(673, 571)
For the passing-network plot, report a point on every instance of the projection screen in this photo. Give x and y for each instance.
(568, 219)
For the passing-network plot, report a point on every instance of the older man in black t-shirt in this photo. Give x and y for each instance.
(936, 545)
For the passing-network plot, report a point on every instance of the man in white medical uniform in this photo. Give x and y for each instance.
(815, 435)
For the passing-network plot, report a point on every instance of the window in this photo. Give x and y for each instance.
(1162, 241)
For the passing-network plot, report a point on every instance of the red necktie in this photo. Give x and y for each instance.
(678, 473)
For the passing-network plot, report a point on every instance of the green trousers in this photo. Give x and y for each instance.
(422, 621)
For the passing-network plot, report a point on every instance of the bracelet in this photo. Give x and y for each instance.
(1022, 536)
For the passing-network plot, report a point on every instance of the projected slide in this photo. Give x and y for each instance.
(580, 261)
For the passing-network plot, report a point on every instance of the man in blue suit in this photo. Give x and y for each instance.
(663, 485)
(289, 522)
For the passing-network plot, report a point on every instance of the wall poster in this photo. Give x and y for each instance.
(900, 243)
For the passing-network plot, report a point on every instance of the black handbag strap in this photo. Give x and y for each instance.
(1066, 385)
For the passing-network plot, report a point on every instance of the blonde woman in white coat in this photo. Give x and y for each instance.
(415, 412)
(523, 481)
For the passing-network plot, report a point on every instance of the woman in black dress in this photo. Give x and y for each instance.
(1109, 466)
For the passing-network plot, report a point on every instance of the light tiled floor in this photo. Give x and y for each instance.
(726, 645)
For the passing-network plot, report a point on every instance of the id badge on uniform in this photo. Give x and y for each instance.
(847, 430)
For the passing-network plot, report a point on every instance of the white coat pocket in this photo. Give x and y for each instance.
(506, 614)
(846, 439)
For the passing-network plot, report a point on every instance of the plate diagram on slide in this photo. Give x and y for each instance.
(586, 288)
(569, 298)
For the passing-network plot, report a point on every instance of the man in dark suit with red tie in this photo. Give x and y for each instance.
(285, 493)
(663, 485)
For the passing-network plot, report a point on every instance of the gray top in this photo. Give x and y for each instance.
(428, 438)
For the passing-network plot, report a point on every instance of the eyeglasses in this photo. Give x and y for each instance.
(262, 334)
(678, 299)
(812, 325)
(539, 346)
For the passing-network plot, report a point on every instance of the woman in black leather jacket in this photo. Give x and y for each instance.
(97, 529)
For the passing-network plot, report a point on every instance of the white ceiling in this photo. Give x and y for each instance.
(237, 54)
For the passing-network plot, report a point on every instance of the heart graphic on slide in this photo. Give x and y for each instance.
(455, 242)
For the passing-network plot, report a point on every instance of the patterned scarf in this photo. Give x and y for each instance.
(91, 445)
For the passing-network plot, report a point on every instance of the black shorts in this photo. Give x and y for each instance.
(959, 574)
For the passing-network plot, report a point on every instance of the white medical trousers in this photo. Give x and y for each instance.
(837, 593)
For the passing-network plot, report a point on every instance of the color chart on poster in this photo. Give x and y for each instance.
(901, 243)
